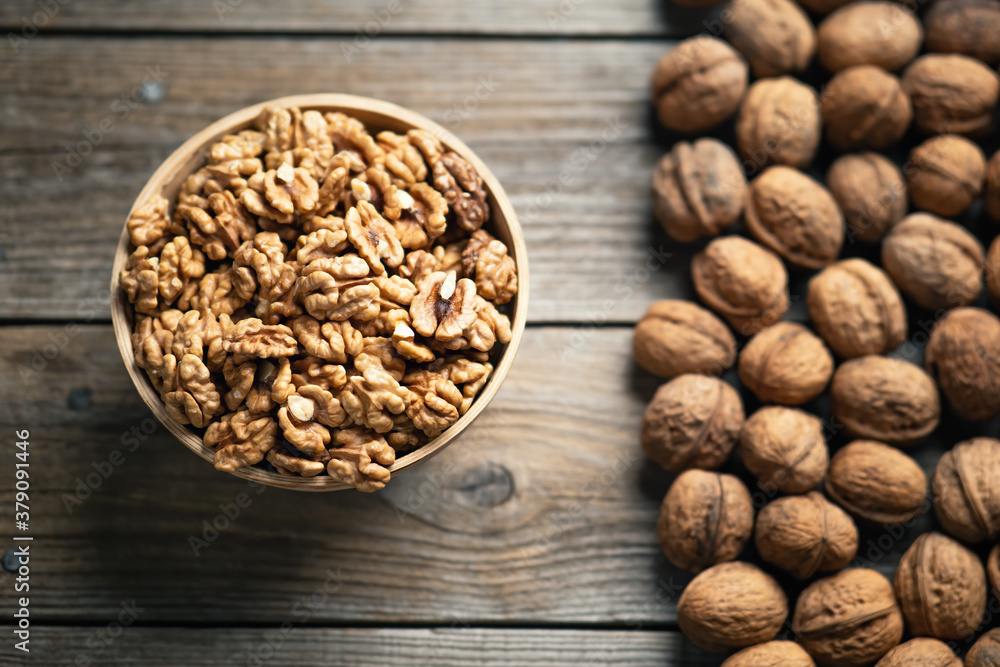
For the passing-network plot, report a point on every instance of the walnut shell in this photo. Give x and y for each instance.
(795, 216)
(693, 421)
(779, 123)
(969, 27)
(731, 605)
(776, 36)
(941, 587)
(785, 363)
(921, 652)
(742, 281)
(856, 309)
(806, 534)
(777, 653)
(870, 192)
(936, 263)
(993, 573)
(864, 107)
(951, 93)
(676, 337)
(885, 34)
(698, 84)
(706, 518)
(945, 174)
(986, 651)
(885, 399)
(991, 198)
(876, 483)
(698, 189)
(784, 449)
(993, 270)
(850, 618)
(963, 355)
(966, 490)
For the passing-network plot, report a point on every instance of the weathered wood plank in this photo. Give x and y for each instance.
(365, 19)
(348, 647)
(565, 129)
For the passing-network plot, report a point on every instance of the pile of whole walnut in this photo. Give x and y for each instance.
(319, 299)
(808, 506)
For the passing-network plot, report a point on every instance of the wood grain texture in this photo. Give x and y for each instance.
(349, 647)
(365, 18)
(565, 130)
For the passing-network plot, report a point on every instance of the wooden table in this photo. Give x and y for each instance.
(531, 540)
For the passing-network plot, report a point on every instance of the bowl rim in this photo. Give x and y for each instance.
(354, 105)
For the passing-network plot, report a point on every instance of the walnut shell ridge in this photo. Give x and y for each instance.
(706, 518)
(941, 587)
(945, 174)
(698, 84)
(963, 356)
(856, 309)
(850, 618)
(885, 34)
(870, 191)
(775, 36)
(951, 93)
(742, 281)
(784, 448)
(785, 363)
(779, 123)
(966, 490)
(731, 605)
(864, 107)
(804, 535)
(885, 399)
(921, 652)
(693, 421)
(698, 190)
(876, 483)
(795, 216)
(675, 337)
(936, 263)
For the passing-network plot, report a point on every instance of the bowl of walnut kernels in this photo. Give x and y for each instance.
(319, 291)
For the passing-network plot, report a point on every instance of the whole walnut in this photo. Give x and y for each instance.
(850, 618)
(795, 216)
(945, 174)
(804, 535)
(786, 363)
(991, 198)
(706, 518)
(693, 421)
(966, 490)
(776, 36)
(777, 653)
(870, 192)
(885, 34)
(864, 107)
(921, 652)
(963, 355)
(742, 281)
(969, 27)
(885, 399)
(986, 651)
(779, 123)
(951, 93)
(698, 189)
(676, 337)
(856, 309)
(784, 449)
(698, 84)
(936, 263)
(731, 605)
(941, 587)
(876, 482)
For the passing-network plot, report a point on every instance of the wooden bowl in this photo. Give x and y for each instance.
(377, 116)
